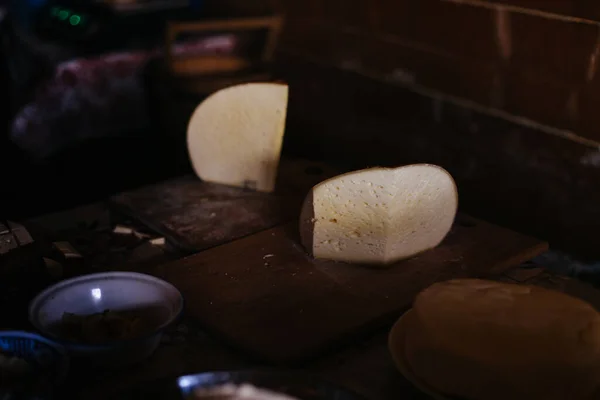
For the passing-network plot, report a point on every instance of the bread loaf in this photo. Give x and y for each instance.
(235, 136)
(484, 340)
(378, 216)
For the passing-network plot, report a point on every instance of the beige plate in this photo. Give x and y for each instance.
(398, 333)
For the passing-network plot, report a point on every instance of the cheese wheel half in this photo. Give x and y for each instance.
(378, 216)
(235, 136)
(484, 340)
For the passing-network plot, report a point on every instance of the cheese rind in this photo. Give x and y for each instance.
(379, 215)
(485, 340)
(235, 135)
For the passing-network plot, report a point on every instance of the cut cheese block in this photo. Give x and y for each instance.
(379, 215)
(483, 340)
(235, 136)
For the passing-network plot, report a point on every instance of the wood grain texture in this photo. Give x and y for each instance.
(196, 215)
(365, 366)
(265, 296)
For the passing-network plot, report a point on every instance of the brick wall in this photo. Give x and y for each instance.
(505, 94)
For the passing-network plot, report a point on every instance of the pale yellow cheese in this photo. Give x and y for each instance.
(235, 136)
(379, 215)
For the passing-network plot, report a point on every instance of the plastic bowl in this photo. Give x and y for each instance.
(153, 299)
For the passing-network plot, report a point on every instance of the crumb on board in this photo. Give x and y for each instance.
(140, 235)
(54, 268)
(122, 230)
(160, 241)
(67, 250)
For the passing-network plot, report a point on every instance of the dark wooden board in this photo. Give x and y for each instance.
(195, 215)
(264, 295)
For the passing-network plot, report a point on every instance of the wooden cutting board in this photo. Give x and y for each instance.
(264, 295)
(196, 215)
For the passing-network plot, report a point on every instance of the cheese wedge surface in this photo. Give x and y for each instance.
(379, 215)
(235, 136)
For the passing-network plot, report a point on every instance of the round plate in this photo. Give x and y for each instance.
(398, 333)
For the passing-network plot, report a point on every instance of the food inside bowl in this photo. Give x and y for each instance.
(244, 391)
(103, 327)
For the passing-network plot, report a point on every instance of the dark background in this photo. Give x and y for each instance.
(504, 94)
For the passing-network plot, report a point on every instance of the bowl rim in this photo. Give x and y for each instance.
(34, 306)
(64, 363)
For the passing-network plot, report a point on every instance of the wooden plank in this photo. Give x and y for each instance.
(196, 215)
(365, 367)
(264, 295)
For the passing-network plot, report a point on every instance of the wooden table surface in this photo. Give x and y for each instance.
(364, 367)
